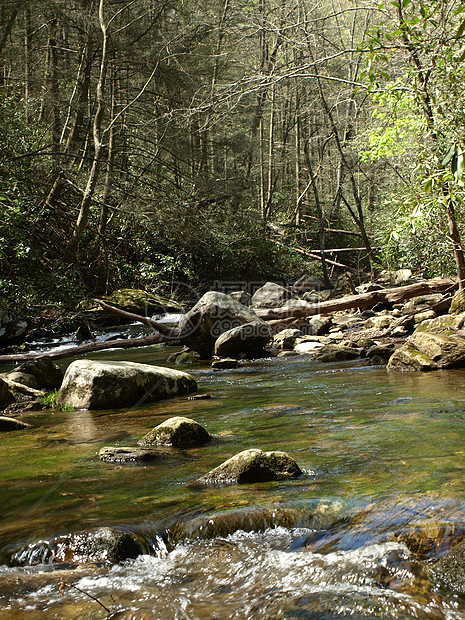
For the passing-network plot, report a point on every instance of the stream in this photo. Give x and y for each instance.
(380, 499)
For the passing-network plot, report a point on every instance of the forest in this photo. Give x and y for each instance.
(150, 142)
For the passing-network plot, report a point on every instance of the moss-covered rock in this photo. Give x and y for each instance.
(446, 324)
(179, 432)
(253, 466)
(92, 384)
(141, 302)
(429, 351)
(457, 305)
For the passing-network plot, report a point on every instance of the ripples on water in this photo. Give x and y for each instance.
(387, 449)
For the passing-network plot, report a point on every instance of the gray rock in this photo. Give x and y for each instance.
(253, 466)
(319, 325)
(337, 353)
(23, 378)
(426, 315)
(285, 339)
(11, 424)
(383, 351)
(104, 544)
(178, 432)
(249, 338)
(242, 297)
(214, 314)
(130, 454)
(271, 295)
(92, 384)
(421, 300)
(13, 327)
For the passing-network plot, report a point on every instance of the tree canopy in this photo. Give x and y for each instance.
(150, 142)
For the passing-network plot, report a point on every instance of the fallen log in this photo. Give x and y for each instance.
(363, 301)
(163, 329)
(128, 343)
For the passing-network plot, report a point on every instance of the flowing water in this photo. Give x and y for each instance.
(381, 497)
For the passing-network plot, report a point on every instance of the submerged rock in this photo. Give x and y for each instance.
(213, 315)
(450, 569)
(104, 544)
(253, 466)
(179, 432)
(130, 454)
(92, 384)
(11, 424)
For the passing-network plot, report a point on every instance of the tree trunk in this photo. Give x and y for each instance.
(455, 236)
(97, 136)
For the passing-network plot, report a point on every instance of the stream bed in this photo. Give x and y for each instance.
(356, 536)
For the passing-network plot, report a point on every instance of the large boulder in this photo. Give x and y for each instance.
(429, 351)
(249, 338)
(253, 466)
(92, 384)
(214, 314)
(179, 432)
(104, 544)
(13, 327)
(271, 295)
